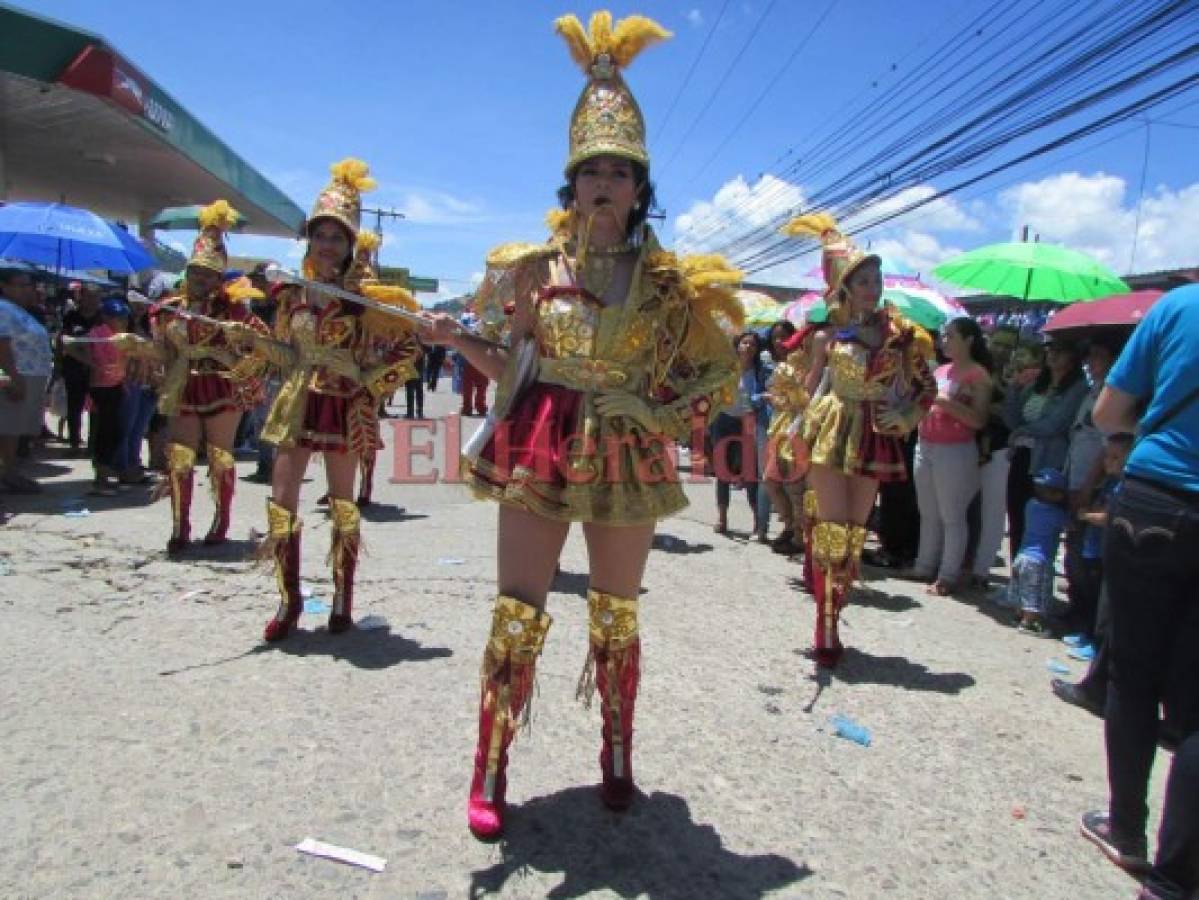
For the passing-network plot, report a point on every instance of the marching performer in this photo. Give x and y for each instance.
(615, 352)
(878, 387)
(342, 358)
(209, 379)
(785, 470)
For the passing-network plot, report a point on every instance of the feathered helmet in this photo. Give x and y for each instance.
(606, 119)
(341, 200)
(840, 257)
(209, 249)
(364, 252)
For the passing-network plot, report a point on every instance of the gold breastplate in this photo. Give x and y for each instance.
(849, 364)
(567, 328)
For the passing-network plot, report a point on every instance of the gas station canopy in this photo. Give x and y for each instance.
(82, 125)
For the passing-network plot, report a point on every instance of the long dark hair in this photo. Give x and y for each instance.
(968, 329)
(1044, 380)
(647, 199)
(788, 330)
(757, 350)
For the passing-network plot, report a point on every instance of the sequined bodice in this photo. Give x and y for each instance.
(568, 327)
(849, 368)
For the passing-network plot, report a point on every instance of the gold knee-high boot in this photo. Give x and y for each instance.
(343, 559)
(614, 662)
(830, 568)
(518, 633)
(181, 471)
(222, 475)
(282, 545)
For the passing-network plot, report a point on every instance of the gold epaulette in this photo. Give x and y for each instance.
(509, 256)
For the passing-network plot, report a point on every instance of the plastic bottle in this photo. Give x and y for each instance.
(847, 728)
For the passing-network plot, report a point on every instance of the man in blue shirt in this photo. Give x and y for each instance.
(1151, 568)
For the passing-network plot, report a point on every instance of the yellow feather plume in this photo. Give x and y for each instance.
(354, 173)
(368, 241)
(242, 290)
(560, 221)
(219, 215)
(577, 42)
(711, 283)
(379, 322)
(815, 225)
(632, 35)
(623, 42)
(601, 31)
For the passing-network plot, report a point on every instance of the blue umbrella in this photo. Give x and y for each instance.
(68, 238)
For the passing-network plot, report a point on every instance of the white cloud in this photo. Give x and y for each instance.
(941, 214)
(426, 207)
(1096, 215)
(695, 17)
(918, 250)
(736, 207)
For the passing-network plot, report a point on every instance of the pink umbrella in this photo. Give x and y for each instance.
(797, 310)
(1119, 309)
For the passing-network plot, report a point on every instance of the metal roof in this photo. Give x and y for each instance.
(79, 123)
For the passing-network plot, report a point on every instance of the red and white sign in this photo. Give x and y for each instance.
(99, 71)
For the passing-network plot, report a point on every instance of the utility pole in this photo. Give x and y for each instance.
(379, 215)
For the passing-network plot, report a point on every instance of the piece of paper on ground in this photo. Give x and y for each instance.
(314, 847)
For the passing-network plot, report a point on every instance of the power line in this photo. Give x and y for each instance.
(694, 65)
(720, 84)
(799, 48)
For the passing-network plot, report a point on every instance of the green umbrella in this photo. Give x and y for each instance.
(917, 309)
(183, 218)
(1032, 271)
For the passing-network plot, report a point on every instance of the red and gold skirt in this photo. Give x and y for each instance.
(553, 457)
(338, 424)
(842, 436)
(207, 395)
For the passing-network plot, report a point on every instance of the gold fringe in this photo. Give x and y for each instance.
(585, 689)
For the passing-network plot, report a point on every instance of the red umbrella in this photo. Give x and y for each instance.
(1120, 309)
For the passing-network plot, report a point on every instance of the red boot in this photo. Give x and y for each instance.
(343, 558)
(222, 474)
(830, 563)
(181, 463)
(509, 663)
(366, 486)
(283, 546)
(615, 659)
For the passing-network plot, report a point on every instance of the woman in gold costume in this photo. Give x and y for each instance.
(209, 379)
(870, 384)
(339, 359)
(615, 352)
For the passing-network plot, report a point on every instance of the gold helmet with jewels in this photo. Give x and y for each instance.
(607, 120)
(209, 251)
(839, 257)
(341, 200)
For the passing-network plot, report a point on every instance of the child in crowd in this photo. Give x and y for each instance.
(107, 389)
(1045, 517)
(1086, 582)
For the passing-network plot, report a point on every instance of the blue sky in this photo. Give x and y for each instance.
(462, 108)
